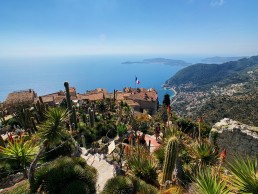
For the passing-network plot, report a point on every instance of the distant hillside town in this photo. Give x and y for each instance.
(139, 99)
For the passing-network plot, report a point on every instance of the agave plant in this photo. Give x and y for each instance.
(20, 151)
(245, 174)
(141, 163)
(208, 182)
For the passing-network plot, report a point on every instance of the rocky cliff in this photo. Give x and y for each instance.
(235, 137)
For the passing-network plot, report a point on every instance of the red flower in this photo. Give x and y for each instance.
(223, 154)
(10, 137)
(200, 119)
(169, 108)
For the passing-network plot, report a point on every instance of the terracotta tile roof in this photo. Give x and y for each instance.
(94, 97)
(98, 90)
(72, 89)
(82, 97)
(59, 99)
(144, 96)
(132, 103)
(21, 96)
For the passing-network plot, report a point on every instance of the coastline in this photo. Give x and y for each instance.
(174, 91)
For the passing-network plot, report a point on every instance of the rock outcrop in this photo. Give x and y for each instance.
(235, 137)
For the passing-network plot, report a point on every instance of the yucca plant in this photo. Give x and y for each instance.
(141, 163)
(20, 151)
(51, 132)
(207, 182)
(245, 174)
(66, 175)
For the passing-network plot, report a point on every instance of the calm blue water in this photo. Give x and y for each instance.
(47, 75)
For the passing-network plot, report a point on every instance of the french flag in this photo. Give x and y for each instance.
(137, 81)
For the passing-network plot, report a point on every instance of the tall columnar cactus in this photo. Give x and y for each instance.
(74, 117)
(33, 124)
(91, 117)
(114, 95)
(84, 118)
(171, 153)
(41, 109)
(68, 101)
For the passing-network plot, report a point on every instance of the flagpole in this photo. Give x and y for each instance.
(135, 81)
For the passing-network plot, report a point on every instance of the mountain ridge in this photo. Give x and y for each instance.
(215, 91)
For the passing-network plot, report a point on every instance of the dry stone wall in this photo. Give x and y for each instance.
(236, 137)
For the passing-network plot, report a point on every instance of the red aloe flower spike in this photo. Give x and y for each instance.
(223, 154)
(200, 119)
(10, 137)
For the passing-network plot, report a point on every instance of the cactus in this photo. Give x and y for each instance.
(41, 109)
(84, 118)
(68, 101)
(114, 95)
(91, 117)
(74, 117)
(170, 158)
(33, 124)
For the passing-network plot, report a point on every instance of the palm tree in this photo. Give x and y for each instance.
(51, 132)
(245, 174)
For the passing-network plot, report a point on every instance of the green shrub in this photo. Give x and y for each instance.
(65, 173)
(121, 129)
(118, 185)
(142, 187)
(130, 185)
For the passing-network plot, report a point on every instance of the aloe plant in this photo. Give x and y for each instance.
(203, 153)
(20, 151)
(141, 163)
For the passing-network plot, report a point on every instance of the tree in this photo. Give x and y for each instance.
(166, 100)
(51, 131)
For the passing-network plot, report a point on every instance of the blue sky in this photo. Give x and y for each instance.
(90, 27)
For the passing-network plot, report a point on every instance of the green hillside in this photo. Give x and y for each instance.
(204, 76)
(218, 91)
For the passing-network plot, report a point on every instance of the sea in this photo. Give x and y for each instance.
(46, 75)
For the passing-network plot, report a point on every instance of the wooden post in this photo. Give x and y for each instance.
(149, 144)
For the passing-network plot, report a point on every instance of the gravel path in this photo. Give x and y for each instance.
(105, 170)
